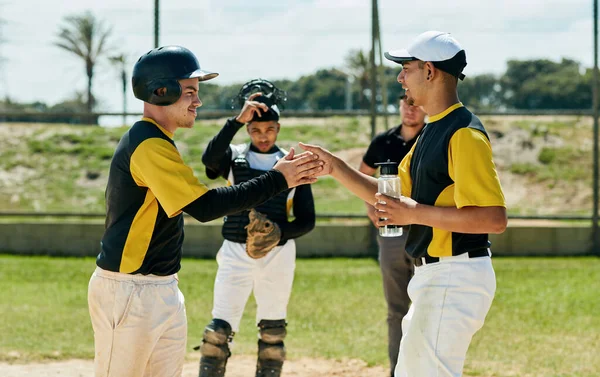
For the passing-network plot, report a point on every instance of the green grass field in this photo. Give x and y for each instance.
(544, 163)
(545, 320)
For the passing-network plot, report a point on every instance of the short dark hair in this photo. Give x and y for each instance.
(269, 115)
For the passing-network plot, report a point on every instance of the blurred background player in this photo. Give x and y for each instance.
(396, 265)
(259, 259)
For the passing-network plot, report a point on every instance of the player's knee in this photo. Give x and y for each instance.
(215, 340)
(272, 331)
(270, 345)
(218, 332)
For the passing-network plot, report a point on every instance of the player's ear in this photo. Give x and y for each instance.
(430, 71)
(161, 92)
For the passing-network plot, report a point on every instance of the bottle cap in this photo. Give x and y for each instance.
(388, 167)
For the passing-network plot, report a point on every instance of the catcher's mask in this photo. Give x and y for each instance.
(272, 96)
(162, 68)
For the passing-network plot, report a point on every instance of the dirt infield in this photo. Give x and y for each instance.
(238, 366)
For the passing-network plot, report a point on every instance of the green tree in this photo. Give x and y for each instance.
(324, 90)
(86, 37)
(482, 92)
(544, 84)
(216, 97)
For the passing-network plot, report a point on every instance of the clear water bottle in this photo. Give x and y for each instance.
(389, 184)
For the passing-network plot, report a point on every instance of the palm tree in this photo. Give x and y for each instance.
(359, 65)
(121, 63)
(85, 36)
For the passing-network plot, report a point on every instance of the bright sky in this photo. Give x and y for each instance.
(243, 39)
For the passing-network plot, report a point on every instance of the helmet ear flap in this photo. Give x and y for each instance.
(171, 96)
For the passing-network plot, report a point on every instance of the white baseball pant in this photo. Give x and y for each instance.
(270, 278)
(140, 326)
(450, 300)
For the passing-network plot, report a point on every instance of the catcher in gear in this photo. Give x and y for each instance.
(259, 252)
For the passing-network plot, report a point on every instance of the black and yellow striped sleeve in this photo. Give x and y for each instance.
(157, 165)
(471, 167)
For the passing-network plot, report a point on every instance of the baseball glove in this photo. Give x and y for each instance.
(263, 235)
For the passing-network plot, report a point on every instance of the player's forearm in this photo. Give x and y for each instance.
(368, 170)
(224, 201)
(297, 228)
(473, 220)
(361, 185)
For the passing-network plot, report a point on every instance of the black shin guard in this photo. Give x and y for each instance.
(215, 348)
(271, 350)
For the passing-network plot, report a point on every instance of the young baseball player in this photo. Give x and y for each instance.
(136, 308)
(452, 199)
(259, 252)
(395, 264)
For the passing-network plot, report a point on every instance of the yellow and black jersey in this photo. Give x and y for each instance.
(450, 166)
(148, 185)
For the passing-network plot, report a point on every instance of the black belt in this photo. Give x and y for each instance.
(472, 254)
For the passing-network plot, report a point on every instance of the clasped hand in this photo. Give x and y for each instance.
(299, 169)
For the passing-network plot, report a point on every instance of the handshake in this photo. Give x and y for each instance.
(304, 168)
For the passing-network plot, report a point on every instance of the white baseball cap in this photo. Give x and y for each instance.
(437, 47)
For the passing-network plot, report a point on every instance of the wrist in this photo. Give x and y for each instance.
(236, 122)
(280, 180)
(337, 166)
(414, 214)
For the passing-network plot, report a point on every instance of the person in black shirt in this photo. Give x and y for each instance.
(269, 277)
(396, 265)
(136, 308)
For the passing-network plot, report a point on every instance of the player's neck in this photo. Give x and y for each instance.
(440, 100)
(159, 118)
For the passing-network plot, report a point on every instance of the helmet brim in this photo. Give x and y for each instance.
(202, 75)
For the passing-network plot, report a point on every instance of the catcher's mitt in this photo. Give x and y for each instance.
(263, 235)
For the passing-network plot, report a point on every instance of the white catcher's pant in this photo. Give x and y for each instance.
(270, 277)
(450, 300)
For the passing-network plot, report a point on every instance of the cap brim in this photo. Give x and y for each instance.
(203, 75)
(399, 56)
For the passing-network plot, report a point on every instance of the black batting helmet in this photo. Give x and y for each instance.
(161, 68)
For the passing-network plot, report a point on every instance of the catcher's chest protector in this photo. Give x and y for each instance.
(275, 208)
